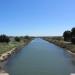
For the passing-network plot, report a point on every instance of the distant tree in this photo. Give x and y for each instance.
(73, 40)
(73, 32)
(17, 39)
(67, 36)
(26, 37)
(4, 38)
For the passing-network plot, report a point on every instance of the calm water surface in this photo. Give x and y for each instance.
(41, 58)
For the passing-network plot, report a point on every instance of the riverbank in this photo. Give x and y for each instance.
(59, 41)
(16, 47)
(2, 72)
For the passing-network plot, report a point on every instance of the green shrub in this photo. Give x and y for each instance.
(4, 38)
(67, 36)
(73, 40)
(17, 39)
(26, 37)
(73, 32)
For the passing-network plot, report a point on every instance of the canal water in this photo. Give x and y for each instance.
(40, 57)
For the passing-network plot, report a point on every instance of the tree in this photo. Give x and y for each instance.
(73, 40)
(4, 38)
(67, 35)
(17, 39)
(73, 35)
(73, 32)
(26, 37)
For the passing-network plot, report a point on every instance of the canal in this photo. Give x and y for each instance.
(40, 57)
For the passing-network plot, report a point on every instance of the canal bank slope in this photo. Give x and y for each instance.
(59, 41)
(4, 56)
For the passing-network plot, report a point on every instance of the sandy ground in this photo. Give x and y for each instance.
(4, 74)
(6, 54)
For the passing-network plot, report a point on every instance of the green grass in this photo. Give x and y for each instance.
(4, 47)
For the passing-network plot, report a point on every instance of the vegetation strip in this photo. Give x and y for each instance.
(9, 46)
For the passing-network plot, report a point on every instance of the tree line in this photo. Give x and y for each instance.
(69, 36)
(6, 39)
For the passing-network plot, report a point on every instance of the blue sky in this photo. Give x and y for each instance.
(36, 17)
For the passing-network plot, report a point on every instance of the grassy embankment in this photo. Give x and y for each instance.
(4, 47)
(59, 41)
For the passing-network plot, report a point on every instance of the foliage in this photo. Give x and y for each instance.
(17, 39)
(73, 40)
(26, 37)
(4, 38)
(67, 36)
(73, 32)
